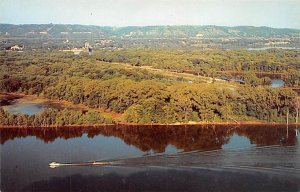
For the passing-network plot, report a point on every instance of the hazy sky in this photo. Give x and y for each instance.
(273, 13)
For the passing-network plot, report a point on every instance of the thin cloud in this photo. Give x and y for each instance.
(273, 13)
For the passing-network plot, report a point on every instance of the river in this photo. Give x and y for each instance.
(152, 158)
(147, 158)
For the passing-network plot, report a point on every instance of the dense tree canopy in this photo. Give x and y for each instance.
(54, 117)
(145, 96)
(214, 62)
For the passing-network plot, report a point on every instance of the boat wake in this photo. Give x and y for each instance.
(266, 158)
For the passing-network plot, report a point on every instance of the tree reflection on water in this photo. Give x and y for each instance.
(158, 137)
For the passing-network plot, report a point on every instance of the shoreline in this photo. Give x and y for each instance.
(117, 115)
(63, 103)
(151, 124)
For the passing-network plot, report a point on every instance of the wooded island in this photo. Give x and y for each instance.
(154, 85)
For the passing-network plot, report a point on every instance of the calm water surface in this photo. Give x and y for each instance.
(148, 158)
(277, 83)
(29, 105)
(152, 158)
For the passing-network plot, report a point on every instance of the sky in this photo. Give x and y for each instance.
(271, 13)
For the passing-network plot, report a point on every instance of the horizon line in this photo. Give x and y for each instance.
(166, 25)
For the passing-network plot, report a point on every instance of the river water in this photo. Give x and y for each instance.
(152, 158)
(148, 158)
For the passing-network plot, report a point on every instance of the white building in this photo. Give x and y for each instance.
(86, 45)
(16, 48)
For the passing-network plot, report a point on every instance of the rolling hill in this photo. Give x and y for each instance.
(151, 32)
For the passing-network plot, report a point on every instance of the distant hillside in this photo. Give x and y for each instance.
(84, 31)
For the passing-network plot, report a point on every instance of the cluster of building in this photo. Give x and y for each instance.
(16, 48)
(87, 47)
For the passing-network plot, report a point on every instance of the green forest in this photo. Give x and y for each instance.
(116, 81)
(54, 117)
(215, 63)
